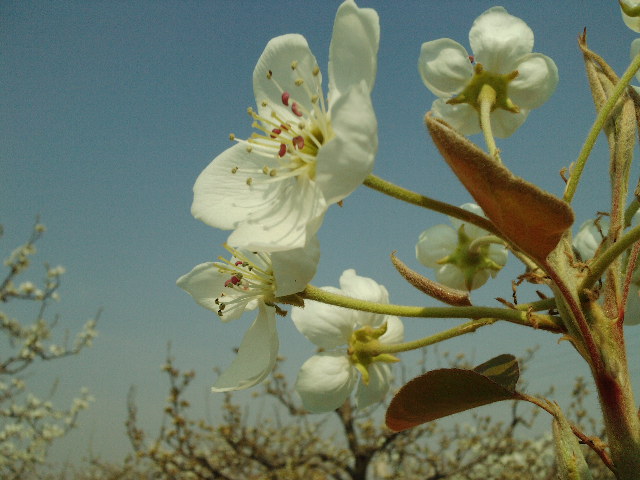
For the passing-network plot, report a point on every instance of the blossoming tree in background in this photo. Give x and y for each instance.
(28, 424)
(287, 442)
(309, 152)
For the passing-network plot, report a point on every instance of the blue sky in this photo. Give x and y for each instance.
(110, 110)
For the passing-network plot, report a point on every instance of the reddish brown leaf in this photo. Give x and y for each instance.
(446, 391)
(531, 218)
(448, 295)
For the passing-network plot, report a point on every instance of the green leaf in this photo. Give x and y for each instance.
(503, 370)
(446, 391)
(526, 215)
(570, 460)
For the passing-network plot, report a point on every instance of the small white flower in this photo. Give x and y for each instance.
(446, 249)
(590, 236)
(627, 8)
(274, 188)
(588, 240)
(502, 46)
(248, 281)
(328, 378)
(27, 288)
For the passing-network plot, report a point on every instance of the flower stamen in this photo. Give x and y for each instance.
(249, 278)
(291, 141)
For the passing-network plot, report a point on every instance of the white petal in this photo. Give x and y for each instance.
(378, 386)
(498, 254)
(505, 123)
(499, 39)
(590, 237)
(536, 81)
(445, 67)
(395, 331)
(436, 243)
(461, 117)
(277, 57)
(256, 357)
(364, 288)
(325, 381)
(294, 269)
(222, 199)
(471, 230)
(345, 161)
(205, 283)
(479, 279)
(353, 54)
(325, 325)
(451, 276)
(283, 221)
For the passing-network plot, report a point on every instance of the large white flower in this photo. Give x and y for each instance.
(327, 379)
(588, 240)
(248, 281)
(460, 263)
(502, 46)
(274, 188)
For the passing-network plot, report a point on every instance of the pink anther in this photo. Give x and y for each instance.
(298, 142)
(283, 150)
(234, 280)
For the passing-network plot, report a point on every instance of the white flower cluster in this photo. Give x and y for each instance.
(28, 424)
(273, 189)
(534, 460)
(29, 427)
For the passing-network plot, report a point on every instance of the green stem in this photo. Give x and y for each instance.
(628, 279)
(600, 264)
(577, 325)
(475, 245)
(601, 118)
(546, 304)
(395, 191)
(463, 329)
(519, 317)
(487, 100)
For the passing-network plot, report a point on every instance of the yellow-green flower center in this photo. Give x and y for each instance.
(499, 83)
(364, 349)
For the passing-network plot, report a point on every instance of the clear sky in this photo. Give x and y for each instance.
(110, 110)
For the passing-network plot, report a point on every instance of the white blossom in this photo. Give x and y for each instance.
(326, 380)
(502, 52)
(458, 263)
(308, 152)
(248, 281)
